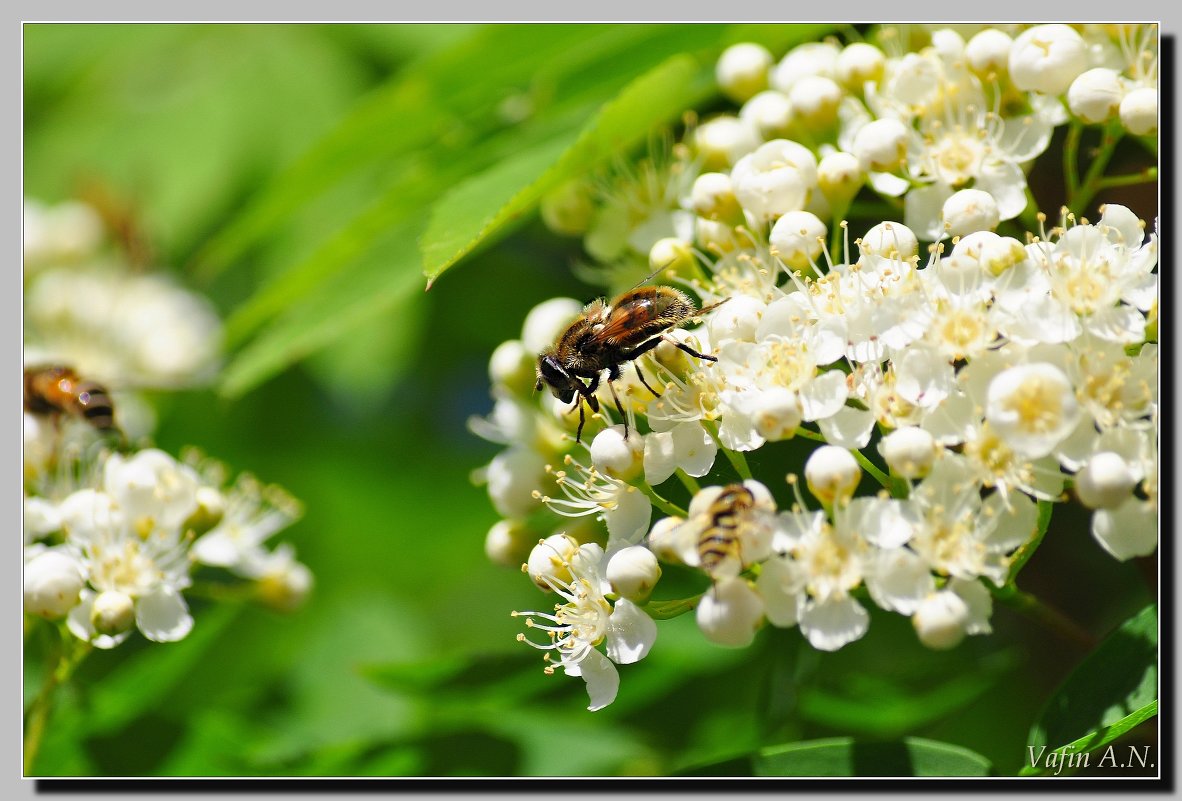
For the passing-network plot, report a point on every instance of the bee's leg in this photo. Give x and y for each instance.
(613, 373)
(582, 419)
(689, 350)
(640, 375)
(586, 394)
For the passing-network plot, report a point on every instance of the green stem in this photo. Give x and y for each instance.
(736, 458)
(1149, 175)
(665, 506)
(1078, 200)
(1035, 609)
(688, 481)
(38, 712)
(1071, 157)
(1023, 554)
(1029, 214)
(879, 476)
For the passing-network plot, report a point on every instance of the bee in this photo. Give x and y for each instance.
(718, 541)
(60, 390)
(605, 336)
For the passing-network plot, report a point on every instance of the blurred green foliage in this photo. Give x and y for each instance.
(290, 172)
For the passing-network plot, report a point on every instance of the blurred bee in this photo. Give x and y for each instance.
(606, 336)
(719, 540)
(59, 390)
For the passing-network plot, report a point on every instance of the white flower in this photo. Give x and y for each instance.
(512, 365)
(151, 489)
(797, 238)
(1047, 58)
(586, 620)
(770, 113)
(713, 197)
(881, 145)
(1105, 482)
(52, 583)
(687, 446)
(988, 51)
(505, 542)
(891, 240)
(625, 509)
(742, 70)
(633, 571)
(941, 619)
(63, 232)
(730, 613)
(1138, 111)
(723, 140)
(513, 476)
(810, 58)
(832, 473)
(253, 513)
(282, 583)
(909, 451)
(1095, 95)
(970, 210)
(1032, 407)
(840, 176)
(814, 100)
(615, 456)
(774, 179)
(858, 63)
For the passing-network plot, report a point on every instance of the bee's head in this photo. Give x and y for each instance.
(551, 373)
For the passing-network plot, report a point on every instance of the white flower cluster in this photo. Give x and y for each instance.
(86, 307)
(995, 374)
(113, 540)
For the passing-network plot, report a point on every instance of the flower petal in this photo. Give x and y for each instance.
(630, 633)
(163, 615)
(834, 623)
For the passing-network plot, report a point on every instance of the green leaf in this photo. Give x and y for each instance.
(144, 681)
(484, 205)
(385, 285)
(665, 610)
(1109, 693)
(1045, 510)
(879, 705)
(846, 756)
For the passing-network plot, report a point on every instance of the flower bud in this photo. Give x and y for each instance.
(730, 613)
(714, 236)
(941, 619)
(1000, 254)
(52, 583)
(569, 209)
(840, 176)
(713, 197)
(770, 113)
(508, 543)
(909, 451)
(512, 366)
(775, 178)
(285, 584)
(881, 145)
(810, 58)
(633, 572)
(989, 52)
(724, 140)
(546, 321)
(112, 613)
(1105, 482)
(814, 100)
(797, 238)
(832, 473)
(615, 456)
(673, 256)
(1138, 111)
(513, 476)
(211, 507)
(858, 63)
(736, 319)
(662, 540)
(776, 414)
(1047, 58)
(1095, 95)
(891, 240)
(742, 70)
(948, 44)
(970, 210)
(549, 561)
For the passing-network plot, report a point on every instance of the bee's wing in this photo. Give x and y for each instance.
(631, 323)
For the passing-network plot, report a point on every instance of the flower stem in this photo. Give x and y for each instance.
(1037, 610)
(1071, 157)
(659, 502)
(688, 481)
(1147, 176)
(37, 716)
(736, 458)
(1078, 200)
